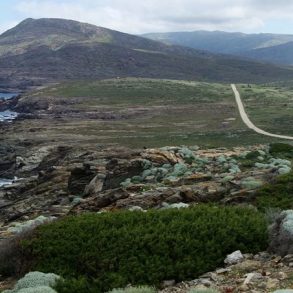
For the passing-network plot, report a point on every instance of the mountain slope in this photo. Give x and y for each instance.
(42, 50)
(281, 54)
(274, 48)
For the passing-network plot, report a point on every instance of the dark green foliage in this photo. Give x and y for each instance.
(252, 155)
(108, 251)
(247, 163)
(278, 194)
(282, 150)
(249, 160)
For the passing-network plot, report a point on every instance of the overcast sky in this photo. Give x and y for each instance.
(135, 16)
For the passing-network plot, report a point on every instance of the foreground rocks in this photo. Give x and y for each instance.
(258, 273)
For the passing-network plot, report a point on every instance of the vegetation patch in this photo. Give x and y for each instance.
(278, 194)
(282, 150)
(99, 252)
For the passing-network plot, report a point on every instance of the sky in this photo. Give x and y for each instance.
(136, 17)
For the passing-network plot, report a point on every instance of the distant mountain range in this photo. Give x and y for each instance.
(275, 48)
(37, 51)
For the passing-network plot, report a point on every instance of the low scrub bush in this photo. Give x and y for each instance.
(35, 282)
(282, 150)
(99, 252)
(277, 194)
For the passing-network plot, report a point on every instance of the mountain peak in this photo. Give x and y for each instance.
(55, 49)
(50, 26)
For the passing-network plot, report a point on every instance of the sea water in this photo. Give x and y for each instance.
(4, 182)
(7, 115)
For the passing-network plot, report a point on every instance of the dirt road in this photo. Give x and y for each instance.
(247, 121)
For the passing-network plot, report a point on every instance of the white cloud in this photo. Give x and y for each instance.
(165, 15)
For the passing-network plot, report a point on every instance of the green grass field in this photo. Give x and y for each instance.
(138, 112)
(269, 107)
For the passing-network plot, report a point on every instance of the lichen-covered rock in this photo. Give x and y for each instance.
(284, 291)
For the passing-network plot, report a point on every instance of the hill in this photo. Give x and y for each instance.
(281, 54)
(37, 51)
(276, 48)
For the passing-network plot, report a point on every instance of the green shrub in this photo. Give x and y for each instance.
(282, 150)
(252, 155)
(97, 253)
(248, 160)
(278, 194)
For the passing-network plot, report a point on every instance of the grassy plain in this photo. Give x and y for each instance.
(270, 107)
(138, 112)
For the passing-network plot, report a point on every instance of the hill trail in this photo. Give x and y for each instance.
(247, 121)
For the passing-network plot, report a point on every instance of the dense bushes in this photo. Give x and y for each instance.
(97, 253)
(282, 150)
(278, 194)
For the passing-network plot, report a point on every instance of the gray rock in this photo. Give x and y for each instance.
(136, 208)
(96, 185)
(168, 283)
(175, 205)
(234, 258)
(251, 277)
(223, 271)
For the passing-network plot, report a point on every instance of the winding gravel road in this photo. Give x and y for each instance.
(247, 121)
